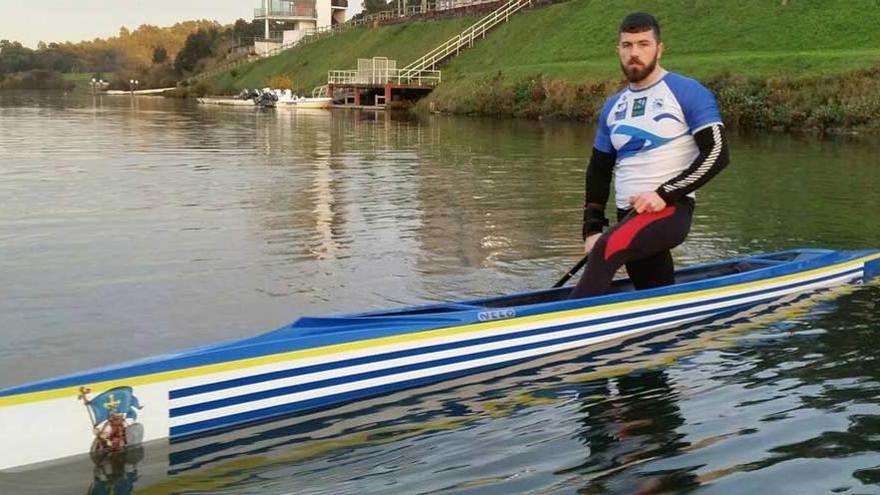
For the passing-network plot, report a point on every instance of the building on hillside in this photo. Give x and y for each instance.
(287, 21)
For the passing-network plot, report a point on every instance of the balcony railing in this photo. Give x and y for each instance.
(382, 76)
(307, 12)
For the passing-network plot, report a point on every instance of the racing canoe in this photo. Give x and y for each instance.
(318, 362)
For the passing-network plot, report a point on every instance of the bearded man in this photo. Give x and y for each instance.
(661, 138)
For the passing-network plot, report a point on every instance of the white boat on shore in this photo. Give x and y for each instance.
(226, 101)
(305, 102)
(248, 98)
(288, 99)
(270, 97)
(136, 92)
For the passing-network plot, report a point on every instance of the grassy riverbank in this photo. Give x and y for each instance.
(773, 63)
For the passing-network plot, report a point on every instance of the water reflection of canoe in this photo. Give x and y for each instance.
(319, 362)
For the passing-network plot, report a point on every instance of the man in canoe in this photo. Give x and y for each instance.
(661, 138)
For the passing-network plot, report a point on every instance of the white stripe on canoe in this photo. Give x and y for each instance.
(426, 372)
(412, 345)
(401, 377)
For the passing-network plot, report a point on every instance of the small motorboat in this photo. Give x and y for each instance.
(265, 98)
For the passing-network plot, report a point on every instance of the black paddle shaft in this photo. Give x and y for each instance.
(567, 276)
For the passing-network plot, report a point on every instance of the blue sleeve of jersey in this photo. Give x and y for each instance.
(603, 133)
(697, 103)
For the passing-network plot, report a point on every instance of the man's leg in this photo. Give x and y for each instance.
(636, 237)
(653, 271)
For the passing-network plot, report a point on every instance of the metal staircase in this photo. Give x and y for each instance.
(465, 39)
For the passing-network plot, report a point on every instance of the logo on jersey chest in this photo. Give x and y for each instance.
(639, 105)
(620, 108)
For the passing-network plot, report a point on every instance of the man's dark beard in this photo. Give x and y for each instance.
(636, 74)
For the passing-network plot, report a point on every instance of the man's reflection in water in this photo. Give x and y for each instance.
(629, 420)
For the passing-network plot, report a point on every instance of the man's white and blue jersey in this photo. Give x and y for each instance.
(651, 132)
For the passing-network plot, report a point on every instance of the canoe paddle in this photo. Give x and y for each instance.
(567, 276)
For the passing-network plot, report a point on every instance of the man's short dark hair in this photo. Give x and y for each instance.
(639, 22)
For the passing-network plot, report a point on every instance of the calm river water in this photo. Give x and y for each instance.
(135, 227)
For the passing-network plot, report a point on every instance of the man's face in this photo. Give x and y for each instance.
(638, 54)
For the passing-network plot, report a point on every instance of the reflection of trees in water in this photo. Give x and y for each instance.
(499, 192)
(822, 174)
(340, 175)
(298, 210)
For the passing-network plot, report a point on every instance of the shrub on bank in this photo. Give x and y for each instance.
(279, 81)
(201, 89)
(823, 103)
(533, 97)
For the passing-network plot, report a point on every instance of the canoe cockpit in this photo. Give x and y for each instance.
(689, 274)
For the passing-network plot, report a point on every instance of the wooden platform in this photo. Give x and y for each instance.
(366, 95)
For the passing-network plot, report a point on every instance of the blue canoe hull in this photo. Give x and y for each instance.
(319, 362)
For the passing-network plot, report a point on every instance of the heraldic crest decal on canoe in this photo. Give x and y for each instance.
(114, 419)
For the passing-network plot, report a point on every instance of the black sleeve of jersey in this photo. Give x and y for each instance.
(597, 189)
(714, 156)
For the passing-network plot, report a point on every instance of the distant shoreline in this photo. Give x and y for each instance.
(36, 79)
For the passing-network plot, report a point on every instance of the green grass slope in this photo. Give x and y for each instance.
(703, 37)
(307, 66)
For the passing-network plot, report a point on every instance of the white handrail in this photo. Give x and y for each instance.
(429, 77)
(465, 38)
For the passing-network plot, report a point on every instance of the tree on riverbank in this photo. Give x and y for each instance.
(374, 6)
(147, 54)
(35, 79)
(199, 45)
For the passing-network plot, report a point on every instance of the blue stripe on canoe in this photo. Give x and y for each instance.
(265, 394)
(188, 429)
(249, 380)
